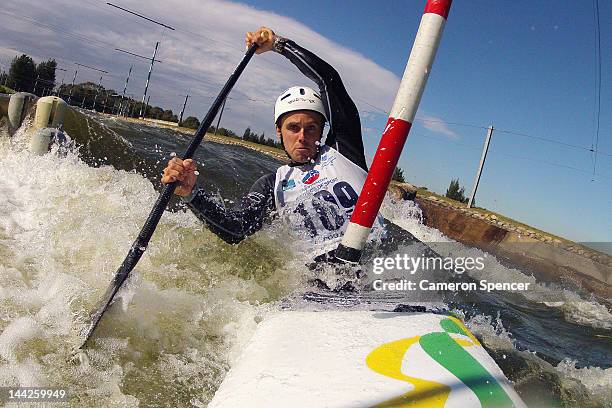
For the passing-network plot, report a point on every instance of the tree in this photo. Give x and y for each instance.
(398, 175)
(167, 115)
(155, 112)
(22, 73)
(45, 72)
(192, 122)
(456, 192)
(247, 134)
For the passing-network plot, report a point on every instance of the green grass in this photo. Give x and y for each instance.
(6, 90)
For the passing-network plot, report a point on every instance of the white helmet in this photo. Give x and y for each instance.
(298, 98)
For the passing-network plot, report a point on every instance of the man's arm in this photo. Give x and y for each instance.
(345, 127)
(247, 217)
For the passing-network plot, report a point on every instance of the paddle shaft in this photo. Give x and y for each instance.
(140, 245)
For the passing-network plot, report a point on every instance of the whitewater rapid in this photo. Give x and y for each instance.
(191, 303)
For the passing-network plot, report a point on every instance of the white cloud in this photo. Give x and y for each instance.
(197, 58)
(436, 125)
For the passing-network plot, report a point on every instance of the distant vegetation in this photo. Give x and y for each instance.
(89, 95)
(398, 175)
(191, 122)
(250, 136)
(26, 76)
(456, 192)
(4, 89)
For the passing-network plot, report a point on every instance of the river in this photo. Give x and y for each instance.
(68, 218)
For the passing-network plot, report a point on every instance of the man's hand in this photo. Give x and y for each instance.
(264, 37)
(182, 171)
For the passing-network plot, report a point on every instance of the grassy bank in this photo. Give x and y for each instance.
(503, 222)
(6, 90)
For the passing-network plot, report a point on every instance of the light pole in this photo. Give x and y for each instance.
(141, 114)
(153, 60)
(74, 78)
(219, 119)
(72, 86)
(115, 104)
(125, 88)
(183, 110)
(132, 108)
(63, 77)
(97, 92)
(485, 150)
(154, 52)
(104, 106)
(148, 79)
(127, 104)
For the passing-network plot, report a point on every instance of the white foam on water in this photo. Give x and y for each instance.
(586, 386)
(190, 304)
(584, 311)
(409, 216)
(597, 381)
(576, 309)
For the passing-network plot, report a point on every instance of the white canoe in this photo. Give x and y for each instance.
(364, 359)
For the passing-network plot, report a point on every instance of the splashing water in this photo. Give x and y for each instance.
(192, 302)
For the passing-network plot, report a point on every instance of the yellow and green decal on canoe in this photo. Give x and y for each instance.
(447, 351)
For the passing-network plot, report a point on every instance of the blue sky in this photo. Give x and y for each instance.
(525, 67)
(522, 66)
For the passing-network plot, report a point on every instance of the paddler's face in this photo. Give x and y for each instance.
(301, 132)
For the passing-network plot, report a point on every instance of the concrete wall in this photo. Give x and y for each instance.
(549, 258)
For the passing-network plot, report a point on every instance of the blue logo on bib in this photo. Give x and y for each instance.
(310, 177)
(288, 184)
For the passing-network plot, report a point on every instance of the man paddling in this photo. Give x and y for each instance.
(318, 189)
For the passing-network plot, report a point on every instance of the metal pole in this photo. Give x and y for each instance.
(35, 83)
(125, 108)
(407, 100)
(485, 149)
(220, 114)
(72, 86)
(125, 87)
(97, 92)
(149, 77)
(63, 77)
(146, 106)
(183, 110)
